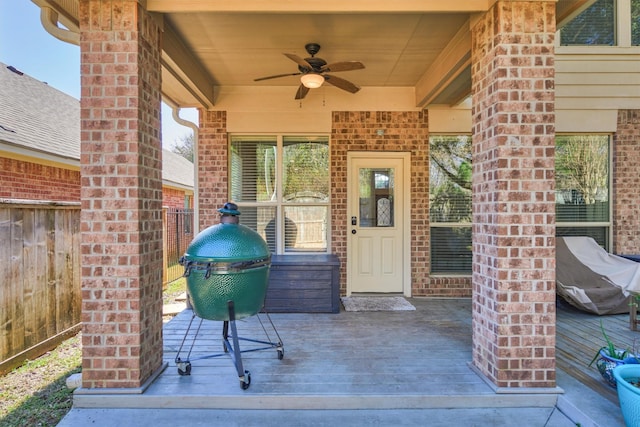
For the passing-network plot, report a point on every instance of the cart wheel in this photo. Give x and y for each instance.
(184, 368)
(246, 382)
(280, 353)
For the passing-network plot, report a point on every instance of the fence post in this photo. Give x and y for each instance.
(165, 263)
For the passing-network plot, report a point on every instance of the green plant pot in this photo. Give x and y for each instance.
(628, 394)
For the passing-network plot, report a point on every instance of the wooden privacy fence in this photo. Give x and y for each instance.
(40, 282)
(40, 299)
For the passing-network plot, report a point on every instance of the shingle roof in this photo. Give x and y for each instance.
(177, 169)
(40, 118)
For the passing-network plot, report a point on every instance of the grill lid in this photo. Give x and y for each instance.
(229, 242)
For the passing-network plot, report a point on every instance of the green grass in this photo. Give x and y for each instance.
(174, 289)
(36, 394)
(179, 285)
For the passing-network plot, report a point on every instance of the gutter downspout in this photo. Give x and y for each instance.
(175, 111)
(49, 20)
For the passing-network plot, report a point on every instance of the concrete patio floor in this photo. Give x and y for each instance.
(379, 368)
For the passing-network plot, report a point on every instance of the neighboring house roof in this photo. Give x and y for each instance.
(176, 169)
(40, 121)
(38, 117)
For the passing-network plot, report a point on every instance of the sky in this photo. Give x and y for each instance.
(28, 47)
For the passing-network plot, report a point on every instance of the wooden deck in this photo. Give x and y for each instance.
(376, 360)
(578, 338)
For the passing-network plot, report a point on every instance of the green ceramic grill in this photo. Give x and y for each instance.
(227, 262)
(227, 270)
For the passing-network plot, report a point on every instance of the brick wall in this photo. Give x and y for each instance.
(121, 194)
(212, 166)
(626, 183)
(449, 286)
(173, 198)
(403, 131)
(513, 194)
(32, 181)
(352, 131)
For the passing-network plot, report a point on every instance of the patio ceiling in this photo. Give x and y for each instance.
(208, 44)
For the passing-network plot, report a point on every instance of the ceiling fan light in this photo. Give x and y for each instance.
(312, 80)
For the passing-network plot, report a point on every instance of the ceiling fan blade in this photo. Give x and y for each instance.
(276, 76)
(302, 92)
(301, 62)
(341, 83)
(343, 66)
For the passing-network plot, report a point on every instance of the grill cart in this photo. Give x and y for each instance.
(227, 270)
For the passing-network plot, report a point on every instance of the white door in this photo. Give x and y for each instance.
(377, 258)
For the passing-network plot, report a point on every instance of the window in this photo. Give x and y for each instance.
(594, 26)
(582, 187)
(188, 213)
(281, 186)
(582, 195)
(450, 204)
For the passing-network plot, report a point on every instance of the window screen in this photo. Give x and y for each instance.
(253, 170)
(635, 22)
(594, 26)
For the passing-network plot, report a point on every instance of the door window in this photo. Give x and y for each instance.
(376, 197)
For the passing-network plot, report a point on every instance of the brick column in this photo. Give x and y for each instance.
(121, 176)
(626, 183)
(513, 194)
(212, 166)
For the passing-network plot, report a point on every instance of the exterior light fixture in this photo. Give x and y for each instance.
(312, 80)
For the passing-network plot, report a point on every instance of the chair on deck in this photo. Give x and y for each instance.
(593, 280)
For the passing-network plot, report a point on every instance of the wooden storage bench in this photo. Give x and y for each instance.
(304, 284)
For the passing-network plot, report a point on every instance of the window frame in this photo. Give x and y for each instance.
(615, 24)
(607, 225)
(459, 225)
(279, 203)
(623, 34)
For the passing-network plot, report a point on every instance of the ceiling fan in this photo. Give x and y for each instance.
(313, 72)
